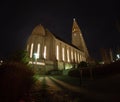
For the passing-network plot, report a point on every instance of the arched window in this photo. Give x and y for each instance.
(78, 57)
(57, 52)
(63, 54)
(68, 55)
(38, 50)
(45, 54)
(72, 55)
(75, 57)
(31, 50)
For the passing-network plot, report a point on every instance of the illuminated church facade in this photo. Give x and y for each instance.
(47, 52)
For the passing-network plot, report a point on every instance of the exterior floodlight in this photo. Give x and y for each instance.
(36, 56)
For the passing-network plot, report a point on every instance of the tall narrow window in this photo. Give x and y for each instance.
(75, 57)
(57, 52)
(68, 56)
(63, 54)
(45, 52)
(72, 55)
(38, 50)
(31, 50)
(78, 57)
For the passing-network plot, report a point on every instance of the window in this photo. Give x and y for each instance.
(72, 55)
(75, 57)
(31, 50)
(78, 57)
(57, 52)
(63, 54)
(44, 52)
(38, 50)
(68, 56)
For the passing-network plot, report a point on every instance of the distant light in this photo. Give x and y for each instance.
(118, 56)
(1, 62)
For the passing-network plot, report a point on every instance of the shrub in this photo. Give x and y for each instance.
(74, 72)
(15, 81)
(54, 72)
(82, 64)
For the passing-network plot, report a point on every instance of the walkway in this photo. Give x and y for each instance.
(61, 90)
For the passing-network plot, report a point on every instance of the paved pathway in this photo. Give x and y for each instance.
(86, 94)
(52, 85)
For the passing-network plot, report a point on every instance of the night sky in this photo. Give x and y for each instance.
(99, 22)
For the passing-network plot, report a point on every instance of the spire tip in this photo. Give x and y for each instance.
(73, 19)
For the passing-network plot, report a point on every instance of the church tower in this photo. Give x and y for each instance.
(77, 38)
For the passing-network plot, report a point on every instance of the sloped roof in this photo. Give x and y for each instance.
(39, 30)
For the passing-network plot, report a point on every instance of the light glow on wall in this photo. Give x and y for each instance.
(72, 55)
(75, 57)
(31, 50)
(57, 52)
(68, 55)
(44, 52)
(63, 54)
(36, 56)
(78, 57)
(38, 63)
(38, 50)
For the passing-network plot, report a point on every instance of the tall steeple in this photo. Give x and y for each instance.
(77, 38)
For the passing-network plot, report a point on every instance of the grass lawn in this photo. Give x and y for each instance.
(70, 80)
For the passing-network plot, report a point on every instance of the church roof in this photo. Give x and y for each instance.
(39, 30)
(66, 42)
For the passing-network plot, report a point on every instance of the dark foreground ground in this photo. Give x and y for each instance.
(16, 85)
(50, 89)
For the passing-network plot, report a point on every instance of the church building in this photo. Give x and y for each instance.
(47, 52)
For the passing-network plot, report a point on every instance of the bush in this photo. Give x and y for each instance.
(83, 64)
(54, 72)
(15, 81)
(108, 69)
(74, 72)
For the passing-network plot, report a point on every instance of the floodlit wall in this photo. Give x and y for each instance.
(48, 52)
